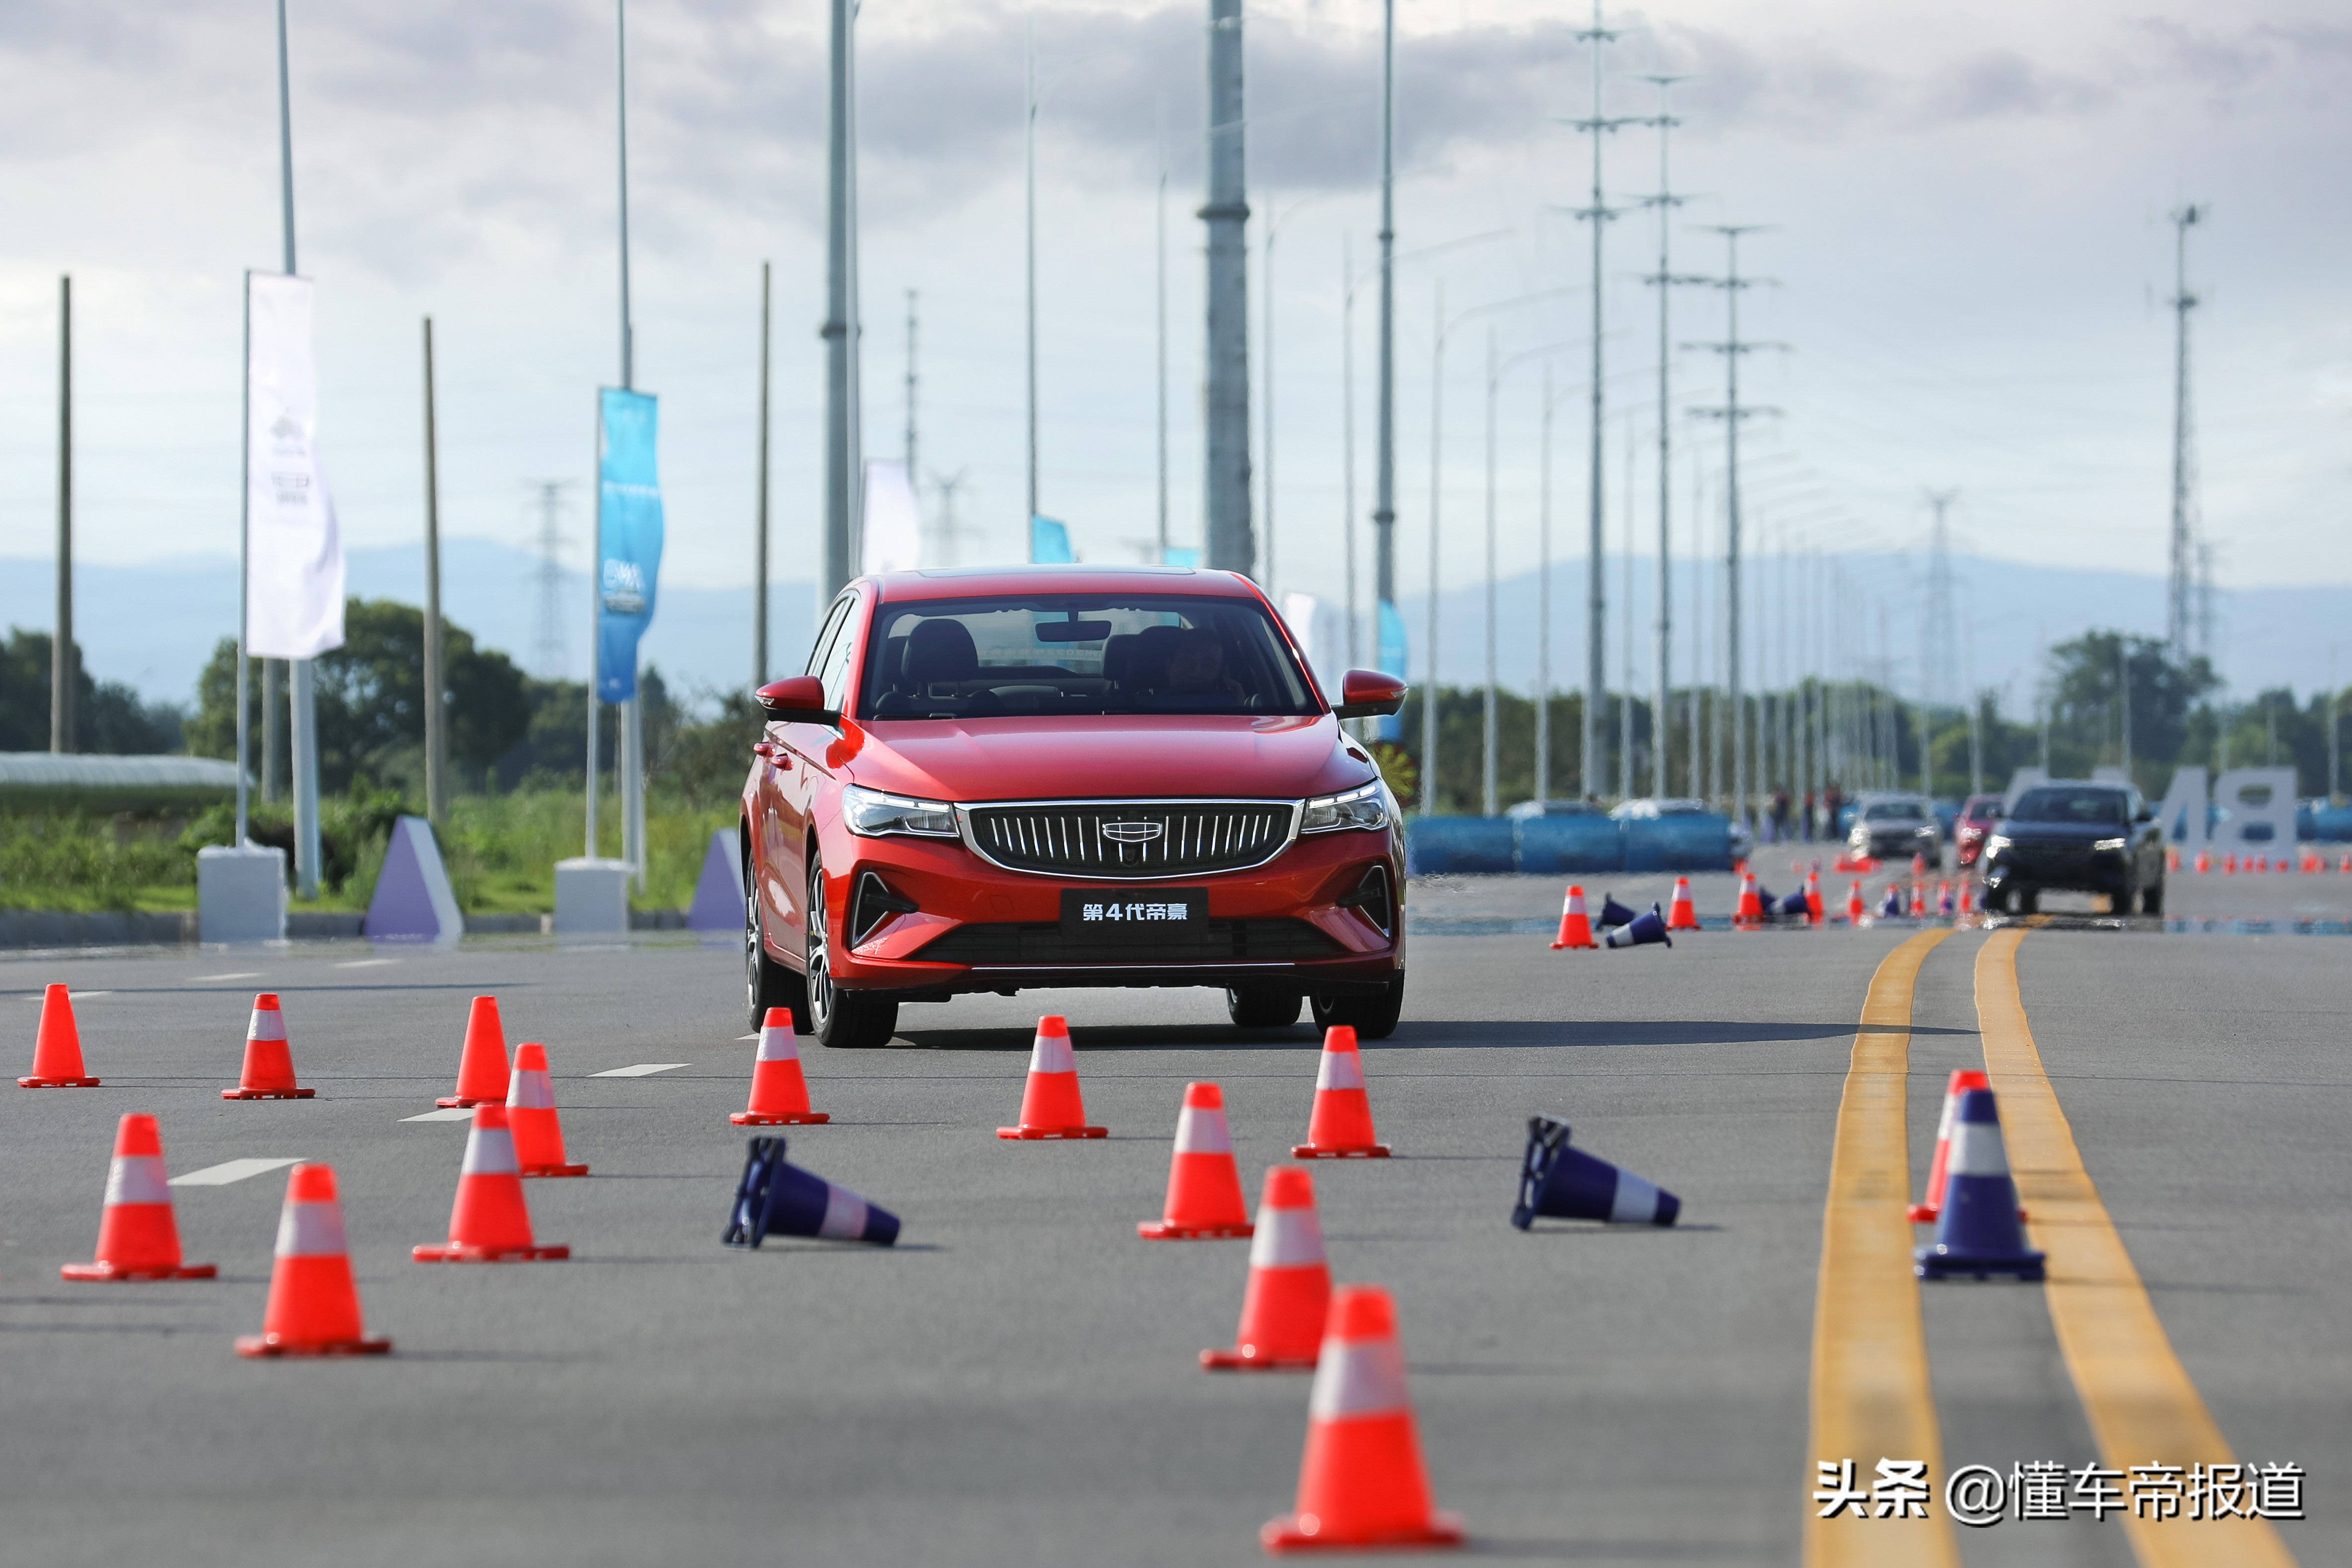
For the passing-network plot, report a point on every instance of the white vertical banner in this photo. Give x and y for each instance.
(294, 554)
(891, 535)
(1303, 612)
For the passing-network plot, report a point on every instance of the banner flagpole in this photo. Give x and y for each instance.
(244, 551)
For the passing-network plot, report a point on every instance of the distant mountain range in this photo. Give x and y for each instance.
(153, 626)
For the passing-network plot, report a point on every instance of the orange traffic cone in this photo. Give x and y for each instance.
(1289, 1290)
(268, 1059)
(1681, 914)
(1340, 1128)
(1750, 909)
(482, 1069)
(1855, 910)
(531, 1116)
(490, 1223)
(1967, 898)
(1575, 929)
(2204, 862)
(2230, 863)
(1918, 902)
(314, 1308)
(1814, 907)
(57, 1049)
(137, 1237)
(1204, 1186)
(1361, 1482)
(2171, 857)
(1939, 1168)
(779, 1096)
(2345, 865)
(1918, 866)
(1051, 1106)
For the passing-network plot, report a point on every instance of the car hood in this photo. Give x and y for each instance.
(1107, 756)
(2059, 833)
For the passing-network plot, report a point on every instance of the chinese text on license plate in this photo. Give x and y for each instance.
(1119, 913)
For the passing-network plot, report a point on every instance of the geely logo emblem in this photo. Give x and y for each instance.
(1132, 833)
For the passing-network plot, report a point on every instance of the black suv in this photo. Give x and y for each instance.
(2085, 837)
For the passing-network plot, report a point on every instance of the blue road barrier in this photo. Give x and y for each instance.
(1440, 845)
(1547, 846)
(1568, 844)
(1678, 843)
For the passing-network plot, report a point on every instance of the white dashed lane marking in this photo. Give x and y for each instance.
(228, 1171)
(642, 1070)
(455, 1114)
(241, 975)
(365, 963)
(77, 995)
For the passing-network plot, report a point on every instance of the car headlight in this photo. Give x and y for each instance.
(873, 815)
(2108, 845)
(1362, 808)
(1997, 843)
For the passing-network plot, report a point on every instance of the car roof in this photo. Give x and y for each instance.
(992, 581)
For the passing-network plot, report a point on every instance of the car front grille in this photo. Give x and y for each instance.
(1042, 944)
(1106, 839)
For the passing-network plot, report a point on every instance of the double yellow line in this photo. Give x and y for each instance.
(1872, 1397)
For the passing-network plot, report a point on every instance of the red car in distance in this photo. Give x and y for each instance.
(1008, 777)
(1974, 825)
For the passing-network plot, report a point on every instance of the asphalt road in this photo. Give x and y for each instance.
(1015, 1382)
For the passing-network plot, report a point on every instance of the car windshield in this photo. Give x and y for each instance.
(1894, 812)
(2084, 807)
(1073, 653)
(1983, 810)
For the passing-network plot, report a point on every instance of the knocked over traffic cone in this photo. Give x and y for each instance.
(137, 1237)
(1614, 914)
(1575, 927)
(1681, 914)
(314, 1306)
(1361, 1482)
(1855, 910)
(268, 1072)
(1794, 908)
(1749, 911)
(1204, 1185)
(1978, 1231)
(779, 1094)
(1560, 1181)
(490, 1223)
(1289, 1290)
(777, 1198)
(1641, 931)
(531, 1116)
(1893, 908)
(482, 1068)
(1051, 1106)
(57, 1049)
(1341, 1127)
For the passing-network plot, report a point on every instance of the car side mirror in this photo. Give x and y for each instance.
(1367, 694)
(796, 698)
(2146, 814)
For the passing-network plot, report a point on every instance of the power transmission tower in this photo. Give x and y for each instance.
(548, 649)
(2184, 459)
(1732, 412)
(1939, 637)
(1595, 125)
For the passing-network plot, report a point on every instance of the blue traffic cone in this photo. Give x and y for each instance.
(1978, 1231)
(778, 1198)
(1564, 1183)
(1893, 908)
(1641, 931)
(1613, 913)
(1793, 907)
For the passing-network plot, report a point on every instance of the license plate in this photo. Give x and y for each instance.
(1112, 915)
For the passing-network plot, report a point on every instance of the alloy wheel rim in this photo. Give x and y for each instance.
(753, 945)
(820, 975)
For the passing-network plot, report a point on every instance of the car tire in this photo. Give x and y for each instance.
(766, 983)
(1372, 1017)
(842, 1020)
(2151, 899)
(1259, 1007)
(2026, 900)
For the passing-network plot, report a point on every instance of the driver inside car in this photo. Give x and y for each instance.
(1196, 669)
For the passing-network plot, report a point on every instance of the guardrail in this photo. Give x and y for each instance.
(1552, 845)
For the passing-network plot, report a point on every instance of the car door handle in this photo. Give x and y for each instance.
(764, 748)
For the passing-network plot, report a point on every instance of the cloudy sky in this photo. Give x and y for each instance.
(1967, 237)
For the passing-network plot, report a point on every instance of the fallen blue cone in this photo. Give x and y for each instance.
(1613, 913)
(1893, 908)
(1561, 1181)
(1793, 907)
(776, 1198)
(1641, 931)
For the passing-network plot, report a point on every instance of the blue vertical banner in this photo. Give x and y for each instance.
(1391, 662)
(1049, 542)
(628, 536)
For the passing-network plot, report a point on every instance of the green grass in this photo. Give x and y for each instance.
(500, 852)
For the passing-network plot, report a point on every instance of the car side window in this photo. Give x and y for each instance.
(827, 636)
(835, 671)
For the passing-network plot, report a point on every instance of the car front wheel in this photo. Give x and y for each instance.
(844, 1020)
(1372, 1016)
(1257, 1006)
(768, 983)
(2151, 898)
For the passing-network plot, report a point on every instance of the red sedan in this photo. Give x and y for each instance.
(1970, 830)
(1068, 776)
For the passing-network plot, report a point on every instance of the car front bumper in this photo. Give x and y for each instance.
(2072, 870)
(1297, 922)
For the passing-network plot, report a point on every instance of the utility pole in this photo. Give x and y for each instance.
(436, 685)
(1384, 481)
(1159, 263)
(1486, 801)
(1226, 476)
(2184, 476)
(760, 510)
(1664, 280)
(1732, 413)
(61, 646)
(840, 330)
(1348, 434)
(1596, 600)
(1543, 597)
(2124, 698)
(912, 326)
(548, 646)
(1940, 633)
